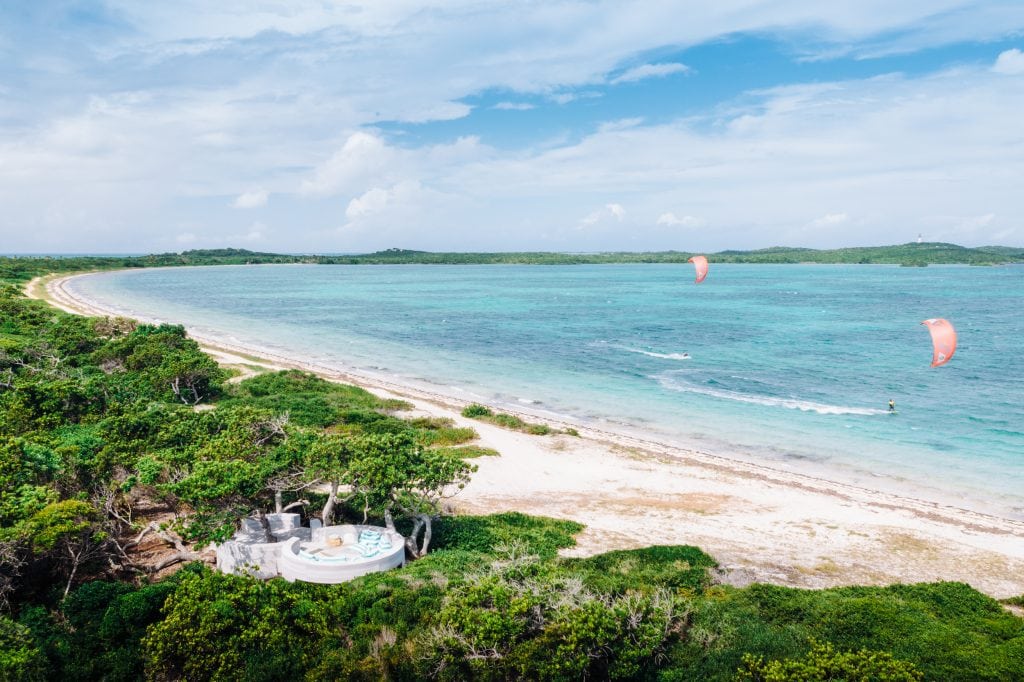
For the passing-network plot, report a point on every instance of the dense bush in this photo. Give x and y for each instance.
(485, 534)
(20, 659)
(475, 411)
(524, 619)
(824, 664)
(217, 626)
(307, 399)
(678, 568)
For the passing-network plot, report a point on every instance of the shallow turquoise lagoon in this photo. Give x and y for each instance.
(793, 364)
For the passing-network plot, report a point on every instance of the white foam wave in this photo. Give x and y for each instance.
(788, 403)
(665, 356)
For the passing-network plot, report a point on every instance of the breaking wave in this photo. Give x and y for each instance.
(652, 354)
(675, 383)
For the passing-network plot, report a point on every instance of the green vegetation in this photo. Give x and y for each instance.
(123, 451)
(911, 254)
(471, 451)
(512, 422)
(825, 664)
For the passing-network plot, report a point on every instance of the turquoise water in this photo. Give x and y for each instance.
(790, 364)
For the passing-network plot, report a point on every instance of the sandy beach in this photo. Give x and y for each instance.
(759, 522)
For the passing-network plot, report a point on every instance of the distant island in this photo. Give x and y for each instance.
(22, 268)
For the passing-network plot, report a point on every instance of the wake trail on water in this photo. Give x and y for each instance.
(674, 383)
(648, 353)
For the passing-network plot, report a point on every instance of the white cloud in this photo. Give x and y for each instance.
(643, 71)
(251, 199)
(609, 212)
(161, 119)
(514, 106)
(830, 220)
(377, 202)
(362, 158)
(672, 220)
(1010, 62)
(371, 201)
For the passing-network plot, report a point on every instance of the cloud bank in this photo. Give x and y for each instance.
(152, 126)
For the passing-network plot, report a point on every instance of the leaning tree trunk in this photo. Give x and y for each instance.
(328, 513)
(75, 560)
(412, 545)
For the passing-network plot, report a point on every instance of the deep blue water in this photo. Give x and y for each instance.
(793, 364)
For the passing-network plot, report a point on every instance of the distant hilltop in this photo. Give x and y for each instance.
(915, 254)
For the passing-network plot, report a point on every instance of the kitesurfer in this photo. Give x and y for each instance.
(892, 405)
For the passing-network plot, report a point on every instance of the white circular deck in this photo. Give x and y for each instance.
(359, 550)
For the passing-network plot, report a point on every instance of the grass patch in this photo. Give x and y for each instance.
(541, 535)
(440, 432)
(471, 451)
(511, 421)
(309, 400)
(617, 572)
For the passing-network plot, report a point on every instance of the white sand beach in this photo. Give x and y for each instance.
(759, 522)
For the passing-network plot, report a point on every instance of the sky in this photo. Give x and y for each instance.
(313, 126)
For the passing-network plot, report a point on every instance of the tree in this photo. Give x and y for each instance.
(328, 460)
(191, 378)
(69, 532)
(394, 474)
(222, 466)
(165, 361)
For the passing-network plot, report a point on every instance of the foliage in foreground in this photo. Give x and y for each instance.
(482, 609)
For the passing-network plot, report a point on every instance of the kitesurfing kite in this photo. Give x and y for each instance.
(700, 264)
(943, 340)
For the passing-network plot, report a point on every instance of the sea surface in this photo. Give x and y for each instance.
(792, 365)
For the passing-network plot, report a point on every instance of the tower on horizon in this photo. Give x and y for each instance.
(920, 237)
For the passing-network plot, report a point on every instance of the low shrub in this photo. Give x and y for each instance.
(540, 535)
(673, 566)
(470, 451)
(508, 421)
(476, 411)
(824, 664)
(445, 436)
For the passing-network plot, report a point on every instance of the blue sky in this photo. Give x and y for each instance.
(317, 126)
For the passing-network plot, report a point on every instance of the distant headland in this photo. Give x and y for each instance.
(910, 254)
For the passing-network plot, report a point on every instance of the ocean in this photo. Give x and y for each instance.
(789, 365)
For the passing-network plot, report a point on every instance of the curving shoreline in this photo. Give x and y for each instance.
(761, 522)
